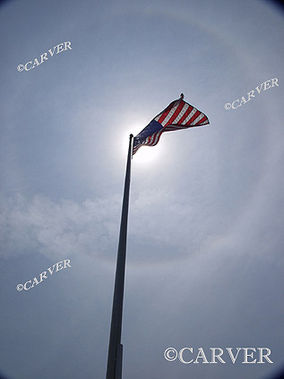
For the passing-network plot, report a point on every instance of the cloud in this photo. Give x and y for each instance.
(57, 229)
(163, 226)
(90, 227)
(158, 221)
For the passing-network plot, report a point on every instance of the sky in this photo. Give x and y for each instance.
(205, 240)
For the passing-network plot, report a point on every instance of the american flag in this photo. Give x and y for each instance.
(177, 115)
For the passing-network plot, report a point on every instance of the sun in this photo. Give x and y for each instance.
(146, 154)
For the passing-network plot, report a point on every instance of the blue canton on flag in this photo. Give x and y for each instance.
(177, 115)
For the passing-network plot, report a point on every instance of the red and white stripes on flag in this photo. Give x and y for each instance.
(178, 115)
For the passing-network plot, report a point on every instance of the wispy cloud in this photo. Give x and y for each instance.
(57, 229)
(158, 220)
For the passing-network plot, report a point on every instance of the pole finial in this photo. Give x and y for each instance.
(181, 96)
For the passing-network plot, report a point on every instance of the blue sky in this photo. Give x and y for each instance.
(205, 242)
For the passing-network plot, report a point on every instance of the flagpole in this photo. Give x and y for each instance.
(114, 364)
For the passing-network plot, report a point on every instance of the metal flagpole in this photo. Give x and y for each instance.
(114, 364)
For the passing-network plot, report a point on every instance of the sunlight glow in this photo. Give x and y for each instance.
(146, 154)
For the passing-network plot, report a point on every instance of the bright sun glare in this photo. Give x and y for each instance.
(146, 154)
